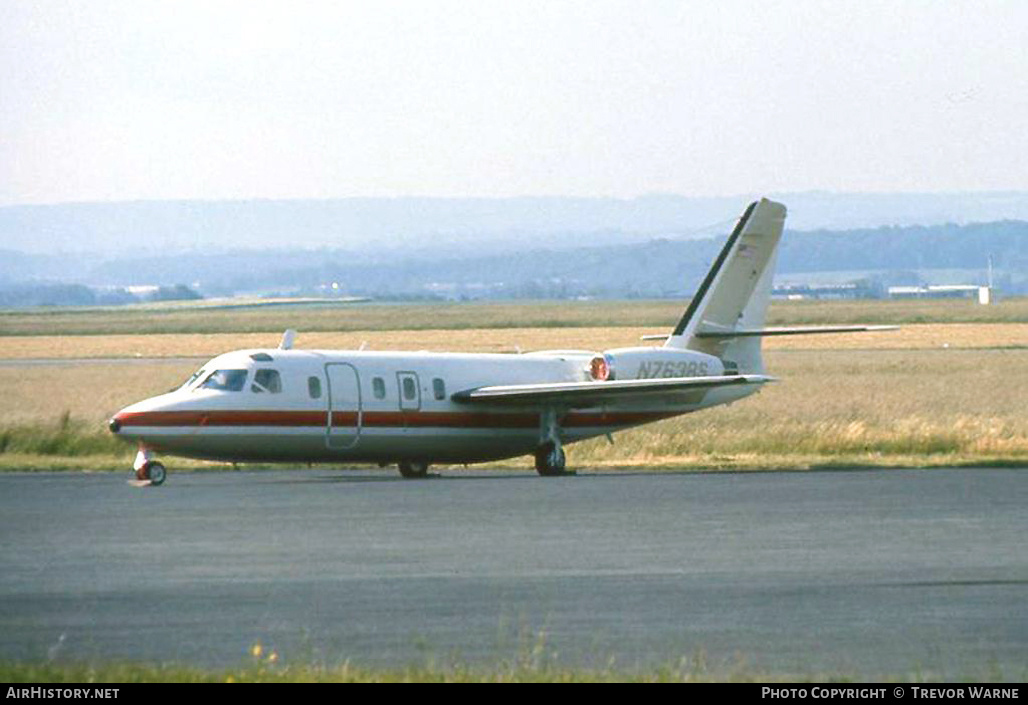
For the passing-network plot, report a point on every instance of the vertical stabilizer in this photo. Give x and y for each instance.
(735, 293)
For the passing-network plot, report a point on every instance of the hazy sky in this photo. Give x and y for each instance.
(141, 100)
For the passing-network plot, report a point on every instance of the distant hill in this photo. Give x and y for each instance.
(665, 267)
(657, 267)
(381, 229)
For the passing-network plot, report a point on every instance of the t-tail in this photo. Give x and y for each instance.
(726, 316)
(735, 293)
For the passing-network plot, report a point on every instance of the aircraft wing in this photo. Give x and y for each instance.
(587, 393)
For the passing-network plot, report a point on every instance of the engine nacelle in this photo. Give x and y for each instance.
(655, 363)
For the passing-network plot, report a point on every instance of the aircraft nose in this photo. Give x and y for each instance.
(118, 424)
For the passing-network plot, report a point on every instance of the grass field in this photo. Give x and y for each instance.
(928, 394)
(686, 670)
(929, 336)
(656, 315)
(832, 408)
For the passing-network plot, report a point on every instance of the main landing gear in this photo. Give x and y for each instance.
(413, 469)
(549, 460)
(549, 456)
(149, 469)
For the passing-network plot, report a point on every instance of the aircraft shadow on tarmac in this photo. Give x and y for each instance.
(586, 473)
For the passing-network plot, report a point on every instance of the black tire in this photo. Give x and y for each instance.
(155, 472)
(413, 469)
(550, 460)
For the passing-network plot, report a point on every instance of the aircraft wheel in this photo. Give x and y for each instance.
(413, 468)
(550, 459)
(152, 471)
(157, 473)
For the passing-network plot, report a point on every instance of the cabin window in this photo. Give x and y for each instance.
(225, 380)
(410, 390)
(314, 387)
(267, 381)
(378, 386)
(439, 389)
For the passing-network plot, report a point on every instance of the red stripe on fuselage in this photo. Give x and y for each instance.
(223, 418)
(381, 419)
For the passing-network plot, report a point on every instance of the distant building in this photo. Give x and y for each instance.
(850, 290)
(943, 291)
(142, 290)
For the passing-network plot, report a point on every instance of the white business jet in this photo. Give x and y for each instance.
(418, 408)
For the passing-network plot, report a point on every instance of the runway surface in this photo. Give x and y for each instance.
(882, 572)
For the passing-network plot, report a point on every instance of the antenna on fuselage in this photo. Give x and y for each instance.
(287, 340)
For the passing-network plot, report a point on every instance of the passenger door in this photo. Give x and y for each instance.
(344, 405)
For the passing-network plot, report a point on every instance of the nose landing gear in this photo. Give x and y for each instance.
(149, 469)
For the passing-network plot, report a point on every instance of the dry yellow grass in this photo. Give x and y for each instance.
(864, 405)
(926, 336)
(208, 345)
(915, 336)
(930, 393)
(859, 407)
(88, 391)
(200, 317)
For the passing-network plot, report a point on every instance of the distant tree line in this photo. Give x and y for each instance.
(659, 267)
(57, 294)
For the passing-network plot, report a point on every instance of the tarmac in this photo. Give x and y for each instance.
(873, 573)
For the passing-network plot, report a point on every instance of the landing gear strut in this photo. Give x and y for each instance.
(549, 456)
(149, 469)
(549, 460)
(413, 468)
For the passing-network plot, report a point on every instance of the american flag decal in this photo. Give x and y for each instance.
(747, 251)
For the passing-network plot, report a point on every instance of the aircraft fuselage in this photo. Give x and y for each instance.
(366, 406)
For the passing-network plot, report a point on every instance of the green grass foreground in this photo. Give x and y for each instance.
(687, 670)
(67, 437)
(123, 673)
(740, 439)
(691, 444)
(108, 463)
(832, 410)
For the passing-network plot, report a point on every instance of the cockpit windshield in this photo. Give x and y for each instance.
(225, 380)
(192, 378)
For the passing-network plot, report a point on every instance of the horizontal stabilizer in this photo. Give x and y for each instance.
(805, 330)
(587, 393)
(766, 332)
